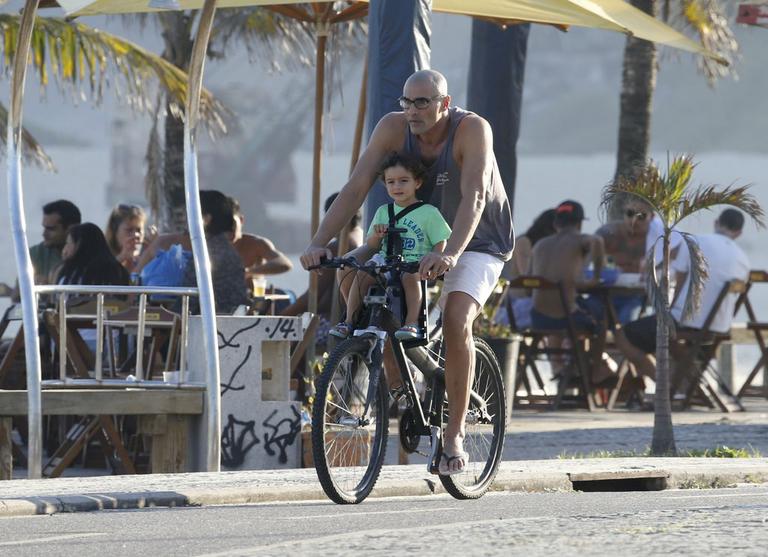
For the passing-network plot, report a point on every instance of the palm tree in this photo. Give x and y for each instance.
(703, 18)
(80, 59)
(268, 36)
(671, 196)
(32, 151)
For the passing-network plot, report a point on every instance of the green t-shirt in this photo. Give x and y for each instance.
(44, 260)
(426, 227)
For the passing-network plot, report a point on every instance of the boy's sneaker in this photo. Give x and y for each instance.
(342, 330)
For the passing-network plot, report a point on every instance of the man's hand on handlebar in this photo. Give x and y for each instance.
(312, 256)
(435, 264)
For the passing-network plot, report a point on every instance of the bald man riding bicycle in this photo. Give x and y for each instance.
(464, 183)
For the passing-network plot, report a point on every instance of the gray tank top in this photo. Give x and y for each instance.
(494, 233)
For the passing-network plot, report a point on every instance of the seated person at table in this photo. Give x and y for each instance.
(325, 277)
(402, 175)
(519, 265)
(626, 242)
(227, 273)
(259, 255)
(125, 234)
(726, 261)
(87, 259)
(58, 217)
(562, 258)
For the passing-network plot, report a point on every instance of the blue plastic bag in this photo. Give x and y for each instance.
(168, 268)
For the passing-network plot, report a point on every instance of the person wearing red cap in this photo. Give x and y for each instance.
(562, 258)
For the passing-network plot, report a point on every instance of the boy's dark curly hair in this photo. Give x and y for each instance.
(406, 160)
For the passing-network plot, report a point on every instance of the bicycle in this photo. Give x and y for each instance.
(350, 416)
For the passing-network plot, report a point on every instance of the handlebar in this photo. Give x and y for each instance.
(370, 268)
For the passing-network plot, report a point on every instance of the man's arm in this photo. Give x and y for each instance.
(260, 256)
(475, 151)
(387, 136)
(594, 245)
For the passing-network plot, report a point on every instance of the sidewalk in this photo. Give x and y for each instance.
(532, 437)
(30, 497)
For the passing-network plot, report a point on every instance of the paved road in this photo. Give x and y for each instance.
(679, 522)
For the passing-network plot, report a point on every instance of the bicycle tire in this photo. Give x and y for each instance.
(484, 454)
(340, 395)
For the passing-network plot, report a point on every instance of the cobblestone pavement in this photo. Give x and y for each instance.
(542, 435)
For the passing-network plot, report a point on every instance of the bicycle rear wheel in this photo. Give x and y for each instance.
(485, 427)
(349, 431)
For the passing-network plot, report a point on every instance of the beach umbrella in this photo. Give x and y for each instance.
(614, 15)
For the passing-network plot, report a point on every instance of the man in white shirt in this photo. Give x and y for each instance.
(726, 261)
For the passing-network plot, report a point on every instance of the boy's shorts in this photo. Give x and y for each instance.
(475, 274)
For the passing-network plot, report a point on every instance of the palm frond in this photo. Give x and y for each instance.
(275, 39)
(645, 184)
(31, 150)
(699, 273)
(82, 59)
(706, 197)
(707, 21)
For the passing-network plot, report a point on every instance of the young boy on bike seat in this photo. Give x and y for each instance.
(427, 231)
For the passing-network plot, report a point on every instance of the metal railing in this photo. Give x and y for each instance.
(103, 322)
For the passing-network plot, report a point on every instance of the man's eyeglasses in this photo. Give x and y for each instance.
(419, 102)
(639, 215)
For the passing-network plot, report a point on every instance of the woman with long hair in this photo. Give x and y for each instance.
(88, 259)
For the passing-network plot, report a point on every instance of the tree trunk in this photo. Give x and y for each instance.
(177, 34)
(638, 82)
(663, 442)
(495, 91)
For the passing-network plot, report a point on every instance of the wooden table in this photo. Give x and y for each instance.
(265, 305)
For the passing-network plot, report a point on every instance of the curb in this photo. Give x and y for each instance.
(238, 488)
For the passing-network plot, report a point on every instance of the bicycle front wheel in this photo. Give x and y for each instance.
(350, 424)
(485, 427)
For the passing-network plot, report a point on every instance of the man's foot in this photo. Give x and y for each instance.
(409, 332)
(453, 459)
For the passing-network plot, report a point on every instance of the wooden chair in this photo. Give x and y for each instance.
(758, 328)
(14, 349)
(574, 375)
(162, 326)
(704, 383)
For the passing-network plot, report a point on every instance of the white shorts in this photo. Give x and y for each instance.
(475, 274)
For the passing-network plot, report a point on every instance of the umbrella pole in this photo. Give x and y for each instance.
(197, 237)
(322, 38)
(21, 247)
(343, 239)
(357, 142)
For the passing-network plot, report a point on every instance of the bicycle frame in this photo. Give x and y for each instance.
(382, 323)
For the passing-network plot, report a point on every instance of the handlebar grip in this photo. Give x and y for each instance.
(323, 261)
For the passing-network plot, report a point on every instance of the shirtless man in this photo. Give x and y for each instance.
(464, 183)
(562, 258)
(259, 255)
